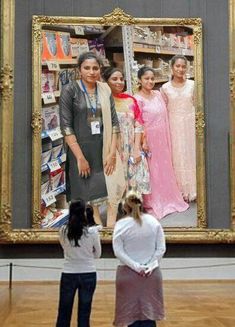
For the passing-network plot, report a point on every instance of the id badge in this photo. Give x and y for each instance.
(95, 127)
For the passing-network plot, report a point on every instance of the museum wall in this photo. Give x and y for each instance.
(216, 106)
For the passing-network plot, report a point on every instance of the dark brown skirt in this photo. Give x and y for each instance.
(137, 297)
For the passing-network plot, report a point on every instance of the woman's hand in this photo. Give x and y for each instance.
(110, 164)
(136, 156)
(145, 147)
(83, 167)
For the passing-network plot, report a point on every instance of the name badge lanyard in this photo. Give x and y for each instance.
(93, 109)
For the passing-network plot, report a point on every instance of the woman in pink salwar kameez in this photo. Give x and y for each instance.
(165, 197)
(179, 94)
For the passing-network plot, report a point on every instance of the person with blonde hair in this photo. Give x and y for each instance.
(139, 244)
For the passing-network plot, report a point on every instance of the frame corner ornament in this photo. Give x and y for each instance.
(36, 122)
(117, 17)
(6, 82)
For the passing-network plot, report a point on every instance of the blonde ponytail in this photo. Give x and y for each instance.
(133, 205)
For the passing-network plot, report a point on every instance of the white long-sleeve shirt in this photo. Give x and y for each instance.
(81, 259)
(137, 245)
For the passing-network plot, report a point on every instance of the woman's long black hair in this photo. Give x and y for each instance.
(77, 221)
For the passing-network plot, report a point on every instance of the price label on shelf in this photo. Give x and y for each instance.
(49, 198)
(48, 97)
(158, 49)
(183, 52)
(79, 30)
(53, 165)
(55, 134)
(53, 65)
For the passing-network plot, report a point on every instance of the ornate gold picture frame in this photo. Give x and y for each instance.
(117, 17)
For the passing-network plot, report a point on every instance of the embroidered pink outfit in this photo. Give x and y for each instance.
(181, 113)
(165, 197)
(130, 122)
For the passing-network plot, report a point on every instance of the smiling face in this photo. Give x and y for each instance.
(147, 81)
(90, 71)
(116, 82)
(179, 68)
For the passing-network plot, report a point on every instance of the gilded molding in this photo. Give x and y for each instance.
(37, 219)
(202, 222)
(232, 84)
(117, 17)
(200, 123)
(6, 216)
(197, 35)
(46, 20)
(37, 32)
(36, 122)
(6, 82)
(190, 21)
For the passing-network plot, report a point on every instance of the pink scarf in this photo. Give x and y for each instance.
(136, 108)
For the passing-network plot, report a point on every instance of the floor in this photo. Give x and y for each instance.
(187, 304)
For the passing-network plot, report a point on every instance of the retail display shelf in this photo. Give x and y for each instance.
(56, 221)
(63, 62)
(50, 197)
(58, 160)
(55, 134)
(159, 50)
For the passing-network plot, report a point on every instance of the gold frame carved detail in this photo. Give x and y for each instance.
(117, 17)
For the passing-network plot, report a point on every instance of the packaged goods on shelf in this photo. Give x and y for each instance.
(46, 156)
(46, 151)
(54, 218)
(50, 115)
(64, 47)
(78, 46)
(83, 46)
(146, 62)
(74, 47)
(166, 41)
(141, 34)
(57, 179)
(190, 42)
(97, 47)
(57, 148)
(93, 29)
(49, 45)
(48, 81)
(175, 41)
(67, 75)
(45, 183)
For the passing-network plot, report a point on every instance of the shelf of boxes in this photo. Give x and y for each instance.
(56, 162)
(144, 48)
(50, 197)
(62, 62)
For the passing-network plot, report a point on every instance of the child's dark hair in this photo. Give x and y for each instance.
(90, 216)
(77, 221)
